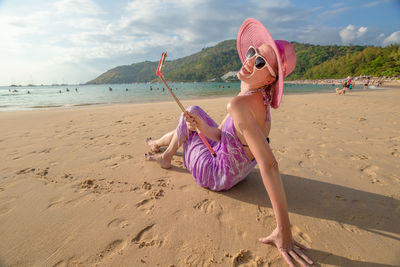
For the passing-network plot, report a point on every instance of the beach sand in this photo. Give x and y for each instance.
(75, 189)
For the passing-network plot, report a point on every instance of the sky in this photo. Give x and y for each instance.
(74, 41)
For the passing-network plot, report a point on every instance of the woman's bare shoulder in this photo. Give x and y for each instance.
(245, 103)
(242, 101)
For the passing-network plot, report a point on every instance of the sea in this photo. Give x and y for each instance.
(15, 98)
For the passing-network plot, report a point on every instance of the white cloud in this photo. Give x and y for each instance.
(394, 38)
(82, 7)
(332, 13)
(376, 3)
(351, 34)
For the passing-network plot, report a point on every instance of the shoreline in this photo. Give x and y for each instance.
(387, 86)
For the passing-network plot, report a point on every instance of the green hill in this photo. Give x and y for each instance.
(313, 62)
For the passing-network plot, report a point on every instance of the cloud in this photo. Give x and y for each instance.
(333, 12)
(355, 35)
(376, 3)
(394, 38)
(81, 7)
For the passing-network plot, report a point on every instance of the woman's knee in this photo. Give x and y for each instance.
(195, 110)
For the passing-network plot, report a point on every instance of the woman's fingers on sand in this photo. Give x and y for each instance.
(297, 258)
(303, 256)
(288, 259)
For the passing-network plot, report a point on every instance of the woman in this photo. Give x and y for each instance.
(241, 141)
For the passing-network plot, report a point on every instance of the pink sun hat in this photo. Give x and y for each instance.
(253, 33)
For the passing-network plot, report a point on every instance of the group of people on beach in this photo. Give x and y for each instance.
(242, 139)
(348, 85)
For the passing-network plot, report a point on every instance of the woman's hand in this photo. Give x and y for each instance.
(193, 121)
(288, 247)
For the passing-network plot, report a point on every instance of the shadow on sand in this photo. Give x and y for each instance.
(371, 212)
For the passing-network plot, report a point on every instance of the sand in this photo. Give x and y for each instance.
(75, 189)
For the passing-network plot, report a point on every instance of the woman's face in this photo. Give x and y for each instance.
(254, 78)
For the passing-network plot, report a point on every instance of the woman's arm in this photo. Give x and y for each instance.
(282, 235)
(254, 137)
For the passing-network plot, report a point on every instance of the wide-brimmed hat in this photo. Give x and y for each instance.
(253, 33)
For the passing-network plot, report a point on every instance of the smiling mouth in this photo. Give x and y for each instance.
(246, 69)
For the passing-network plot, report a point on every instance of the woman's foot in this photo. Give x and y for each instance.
(153, 145)
(166, 164)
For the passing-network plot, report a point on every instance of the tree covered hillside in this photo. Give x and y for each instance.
(313, 62)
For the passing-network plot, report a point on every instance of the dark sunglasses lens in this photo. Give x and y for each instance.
(260, 62)
(251, 52)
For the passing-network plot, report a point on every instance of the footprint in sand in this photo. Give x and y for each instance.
(370, 170)
(25, 171)
(359, 157)
(120, 206)
(395, 153)
(322, 173)
(244, 258)
(264, 214)
(42, 173)
(62, 202)
(7, 204)
(112, 248)
(350, 228)
(118, 223)
(147, 238)
(208, 206)
(309, 153)
(145, 205)
(68, 262)
(303, 238)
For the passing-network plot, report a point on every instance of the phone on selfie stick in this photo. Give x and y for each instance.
(161, 76)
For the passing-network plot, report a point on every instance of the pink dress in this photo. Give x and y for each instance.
(230, 166)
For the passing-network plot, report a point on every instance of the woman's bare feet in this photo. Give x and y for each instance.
(160, 158)
(153, 145)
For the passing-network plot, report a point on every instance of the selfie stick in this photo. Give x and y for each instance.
(161, 76)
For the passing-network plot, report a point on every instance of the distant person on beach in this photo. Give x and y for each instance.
(241, 140)
(76, 89)
(346, 87)
(366, 83)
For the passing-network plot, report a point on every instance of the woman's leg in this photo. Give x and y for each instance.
(176, 138)
(165, 158)
(163, 141)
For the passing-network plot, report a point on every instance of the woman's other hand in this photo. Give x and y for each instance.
(288, 247)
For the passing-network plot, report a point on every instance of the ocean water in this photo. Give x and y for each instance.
(41, 97)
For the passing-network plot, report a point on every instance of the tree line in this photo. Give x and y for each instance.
(313, 62)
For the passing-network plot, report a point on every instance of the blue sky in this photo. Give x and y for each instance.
(74, 41)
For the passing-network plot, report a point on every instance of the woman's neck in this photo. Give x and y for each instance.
(249, 89)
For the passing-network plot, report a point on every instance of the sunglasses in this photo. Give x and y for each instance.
(260, 62)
